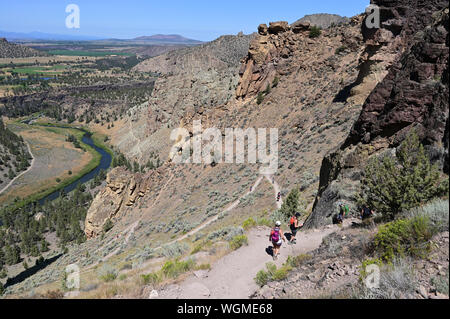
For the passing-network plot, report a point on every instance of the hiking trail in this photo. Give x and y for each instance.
(24, 172)
(232, 276)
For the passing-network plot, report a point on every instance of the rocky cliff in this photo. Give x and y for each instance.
(122, 191)
(411, 50)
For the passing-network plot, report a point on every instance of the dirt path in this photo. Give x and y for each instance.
(130, 230)
(208, 222)
(24, 172)
(276, 188)
(232, 277)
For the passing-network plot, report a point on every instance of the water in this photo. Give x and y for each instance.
(105, 162)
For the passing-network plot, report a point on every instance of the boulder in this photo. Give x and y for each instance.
(278, 27)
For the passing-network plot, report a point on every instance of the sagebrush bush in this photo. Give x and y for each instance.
(437, 212)
(107, 273)
(441, 283)
(397, 280)
(174, 250)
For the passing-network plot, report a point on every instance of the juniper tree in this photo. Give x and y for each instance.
(292, 204)
(392, 184)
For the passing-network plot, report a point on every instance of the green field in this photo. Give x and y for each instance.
(86, 53)
(53, 70)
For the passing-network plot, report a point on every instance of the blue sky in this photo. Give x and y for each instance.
(198, 19)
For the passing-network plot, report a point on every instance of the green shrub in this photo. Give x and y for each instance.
(238, 241)
(173, 269)
(122, 277)
(275, 82)
(404, 237)
(260, 98)
(249, 223)
(273, 273)
(392, 185)
(262, 277)
(374, 261)
(152, 278)
(203, 267)
(107, 273)
(297, 260)
(315, 32)
(441, 283)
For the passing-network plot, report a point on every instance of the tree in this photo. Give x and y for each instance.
(392, 184)
(292, 204)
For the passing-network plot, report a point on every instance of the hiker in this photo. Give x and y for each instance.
(366, 212)
(294, 225)
(278, 196)
(343, 211)
(276, 237)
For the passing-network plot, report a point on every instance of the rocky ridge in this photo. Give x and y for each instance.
(13, 50)
(412, 49)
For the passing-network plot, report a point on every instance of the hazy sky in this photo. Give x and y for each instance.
(198, 19)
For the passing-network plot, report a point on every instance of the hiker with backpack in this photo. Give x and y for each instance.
(366, 212)
(294, 225)
(343, 211)
(276, 237)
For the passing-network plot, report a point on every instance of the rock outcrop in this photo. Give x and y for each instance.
(321, 20)
(270, 52)
(123, 189)
(267, 55)
(412, 94)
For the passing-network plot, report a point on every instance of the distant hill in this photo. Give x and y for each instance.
(167, 38)
(12, 50)
(13, 36)
(322, 20)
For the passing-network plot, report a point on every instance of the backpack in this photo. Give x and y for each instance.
(275, 235)
(292, 221)
(367, 212)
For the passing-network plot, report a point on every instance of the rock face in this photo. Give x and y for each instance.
(267, 55)
(412, 49)
(321, 20)
(193, 81)
(123, 189)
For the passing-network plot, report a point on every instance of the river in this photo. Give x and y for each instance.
(105, 163)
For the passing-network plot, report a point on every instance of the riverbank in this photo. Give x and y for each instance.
(63, 130)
